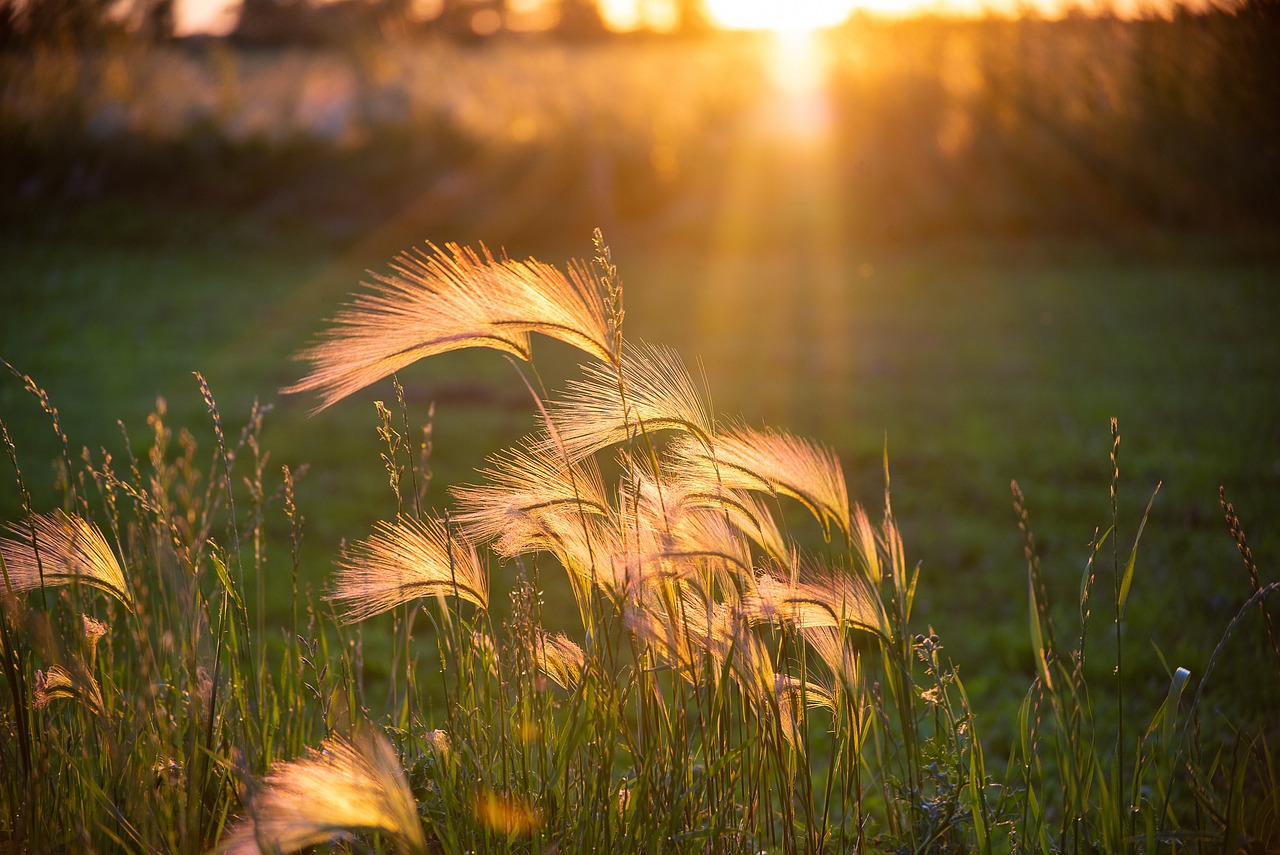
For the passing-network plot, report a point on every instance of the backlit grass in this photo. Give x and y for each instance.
(741, 663)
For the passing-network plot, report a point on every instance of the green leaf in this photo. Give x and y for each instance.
(1127, 579)
(225, 577)
(1037, 634)
(977, 806)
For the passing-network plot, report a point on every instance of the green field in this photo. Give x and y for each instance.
(974, 362)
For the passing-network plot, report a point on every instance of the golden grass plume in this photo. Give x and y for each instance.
(404, 560)
(73, 683)
(669, 538)
(439, 301)
(792, 697)
(841, 658)
(559, 658)
(342, 787)
(68, 550)
(658, 393)
(692, 496)
(815, 598)
(524, 486)
(774, 462)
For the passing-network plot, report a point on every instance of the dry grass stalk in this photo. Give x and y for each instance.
(405, 560)
(342, 787)
(70, 550)
(448, 300)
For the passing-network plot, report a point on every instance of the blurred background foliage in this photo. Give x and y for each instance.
(993, 126)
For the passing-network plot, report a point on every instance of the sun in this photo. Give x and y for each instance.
(784, 17)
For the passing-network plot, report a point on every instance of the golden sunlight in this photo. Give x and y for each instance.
(796, 16)
(800, 103)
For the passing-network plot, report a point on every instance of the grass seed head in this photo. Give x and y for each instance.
(439, 301)
(67, 550)
(772, 462)
(559, 658)
(73, 683)
(659, 394)
(343, 786)
(405, 560)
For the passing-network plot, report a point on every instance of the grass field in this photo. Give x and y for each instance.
(975, 362)
(973, 359)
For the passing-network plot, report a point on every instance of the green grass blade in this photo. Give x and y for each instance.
(1126, 580)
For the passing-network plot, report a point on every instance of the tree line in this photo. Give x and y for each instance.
(85, 23)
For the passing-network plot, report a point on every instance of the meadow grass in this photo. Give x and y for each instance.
(736, 659)
(977, 363)
(985, 268)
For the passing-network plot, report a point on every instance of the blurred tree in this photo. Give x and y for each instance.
(158, 20)
(78, 23)
(580, 19)
(692, 17)
(270, 21)
(279, 22)
(468, 20)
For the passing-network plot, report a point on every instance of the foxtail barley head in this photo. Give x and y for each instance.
(405, 560)
(455, 299)
(70, 683)
(814, 599)
(527, 485)
(342, 787)
(559, 658)
(773, 462)
(658, 394)
(67, 550)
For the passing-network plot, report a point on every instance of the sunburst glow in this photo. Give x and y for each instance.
(796, 16)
